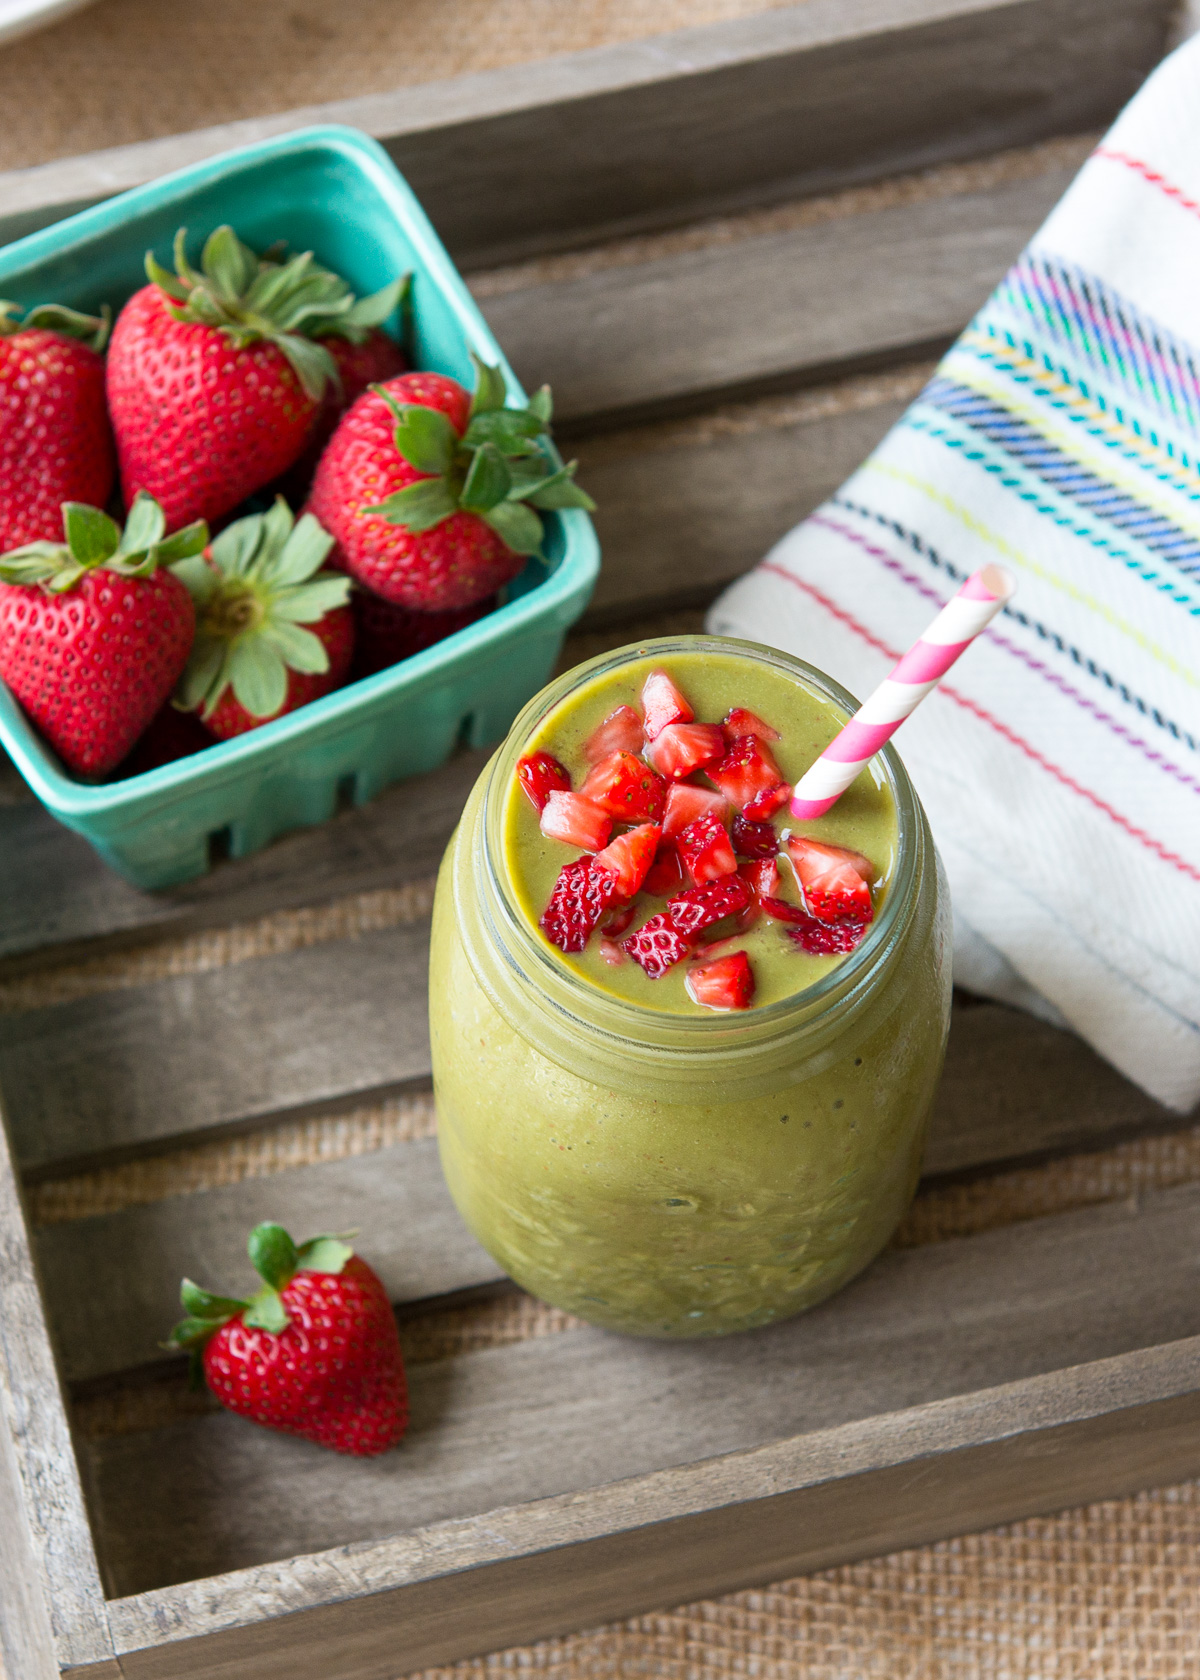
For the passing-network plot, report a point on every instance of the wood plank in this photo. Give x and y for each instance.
(1015, 1089)
(458, 1589)
(581, 1409)
(52, 1610)
(59, 896)
(767, 312)
(799, 100)
(133, 1260)
(114, 1074)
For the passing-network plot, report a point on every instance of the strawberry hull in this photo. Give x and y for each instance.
(335, 191)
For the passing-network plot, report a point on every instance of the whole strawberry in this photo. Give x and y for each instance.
(315, 1353)
(55, 440)
(273, 631)
(431, 494)
(216, 378)
(358, 366)
(95, 631)
(384, 634)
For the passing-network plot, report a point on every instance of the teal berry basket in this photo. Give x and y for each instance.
(333, 191)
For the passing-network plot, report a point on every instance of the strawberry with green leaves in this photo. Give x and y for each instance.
(314, 1353)
(273, 631)
(96, 630)
(435, 497)
(55, 440)
(216, 375)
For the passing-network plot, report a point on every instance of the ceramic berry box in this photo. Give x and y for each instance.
(335, 191)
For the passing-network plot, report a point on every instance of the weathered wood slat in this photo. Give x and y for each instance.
(133, 1260)
(580, 1409)
(789, 102)
(764, 313)
(531, 1571)
(112, 1074)
(49, 1578)
(1014, 1088)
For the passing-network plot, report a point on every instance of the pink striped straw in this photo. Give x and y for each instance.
(921, 669)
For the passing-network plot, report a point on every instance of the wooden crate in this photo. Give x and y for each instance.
(768, 337)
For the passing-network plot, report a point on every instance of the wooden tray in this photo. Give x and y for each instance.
(575, 1477)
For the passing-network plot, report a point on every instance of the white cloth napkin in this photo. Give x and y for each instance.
(1060, 761)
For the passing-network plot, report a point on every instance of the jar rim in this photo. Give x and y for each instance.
(621, 1018)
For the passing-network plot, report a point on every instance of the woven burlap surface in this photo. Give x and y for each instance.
(1111, 1592)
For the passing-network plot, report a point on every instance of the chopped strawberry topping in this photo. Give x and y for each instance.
(766, 804)
(629, 857)
(705, 849)
(611, 951)
(762, 877)
(686, 802)
(826, 939)
(626, 788)
(725, 983)
(738, 721)
(621, 731)
(747, 770)
(783, 911)
(540, 774)
(581, 895)
(751, 839)
(699, 907)
(662, 704)
(616, 924)
(833, 880)
(680, 748)
(666, 873)
(657, 945)
(576, 820)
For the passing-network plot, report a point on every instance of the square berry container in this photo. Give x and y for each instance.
(334, 191)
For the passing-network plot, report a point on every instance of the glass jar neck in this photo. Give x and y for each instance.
(614, 1042)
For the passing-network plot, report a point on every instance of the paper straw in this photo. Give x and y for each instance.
(922, 668)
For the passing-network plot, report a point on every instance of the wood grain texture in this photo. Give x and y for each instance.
(583, 1409)
(1014, 1089)
(51, 1610)
(133, 1260)
(793, 101)
(112, 1074)
(763, 313)
(536, 1570)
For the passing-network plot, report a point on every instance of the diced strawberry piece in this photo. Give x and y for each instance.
(705, 849)
(699, 907)
(576, 820)
(581, 895)
(686, 802)
(765, 805)
(746, 770)
(832, 880)
(621, 731)
(540, 774)
(826, 939)
(666, 873)
(629, 857)
(662, 704)
(611, 951)
(783, 911)
(726, 983)
(681, 748)
(626, 788)
(616, 924)
(751, 839)
(738, 721)
(762, 877)
(657, 945)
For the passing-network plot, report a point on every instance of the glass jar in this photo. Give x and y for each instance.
(669, 1175)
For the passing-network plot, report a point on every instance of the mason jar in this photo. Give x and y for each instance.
(669, 1175)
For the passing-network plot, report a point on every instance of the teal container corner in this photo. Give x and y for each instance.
(336, 192)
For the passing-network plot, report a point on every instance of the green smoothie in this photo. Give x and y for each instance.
(656, 1167)
(864, 819)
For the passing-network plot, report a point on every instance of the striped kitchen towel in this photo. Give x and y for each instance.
(1060, 764)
